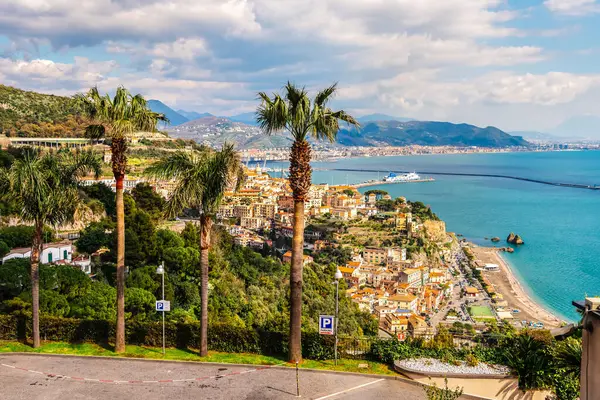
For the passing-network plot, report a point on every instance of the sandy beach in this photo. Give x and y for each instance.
(506, 283)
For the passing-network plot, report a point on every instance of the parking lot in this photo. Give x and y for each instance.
(48, 377)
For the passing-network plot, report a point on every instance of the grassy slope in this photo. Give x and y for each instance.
(32, 114)
(89, 349)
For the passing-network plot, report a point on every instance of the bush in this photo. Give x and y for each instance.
(181, 335)
(471, 360)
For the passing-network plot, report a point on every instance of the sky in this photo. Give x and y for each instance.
(513, 64)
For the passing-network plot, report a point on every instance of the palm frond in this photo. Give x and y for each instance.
(323, 97)
(173, 166)
(95, 132)
(272, 114)
(296, 113)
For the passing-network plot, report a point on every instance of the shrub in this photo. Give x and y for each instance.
(435, 393)
(471, 360)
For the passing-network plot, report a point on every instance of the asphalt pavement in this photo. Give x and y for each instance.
(32, 377)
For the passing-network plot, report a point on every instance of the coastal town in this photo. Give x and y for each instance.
(399, 263)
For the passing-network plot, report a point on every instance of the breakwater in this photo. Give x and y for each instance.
(518, 178)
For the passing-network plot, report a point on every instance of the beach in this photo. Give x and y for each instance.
(506, 283)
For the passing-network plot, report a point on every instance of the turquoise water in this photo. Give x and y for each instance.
(560, 261)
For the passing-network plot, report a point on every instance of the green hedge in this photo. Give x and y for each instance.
(180, 335)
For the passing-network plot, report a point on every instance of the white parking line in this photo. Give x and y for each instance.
(349, 390)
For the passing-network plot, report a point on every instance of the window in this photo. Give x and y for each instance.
(65, 255)
(49, 258)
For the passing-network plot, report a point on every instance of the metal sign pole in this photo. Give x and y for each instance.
(163, 311)
(337, 284)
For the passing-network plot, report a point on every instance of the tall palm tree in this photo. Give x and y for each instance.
(45, 185)
(303, 118)
(117, 118)
(201, 181)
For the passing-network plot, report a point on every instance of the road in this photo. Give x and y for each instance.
(31, 377)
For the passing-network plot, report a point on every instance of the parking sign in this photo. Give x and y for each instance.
(326, 325)
(163, 305)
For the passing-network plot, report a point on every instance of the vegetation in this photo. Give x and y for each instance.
(434, 393)
(46, 187)
(117, 118)
(202, 180)
(302, 118)
(31, 114)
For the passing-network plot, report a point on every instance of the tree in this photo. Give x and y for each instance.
(98, 303)
(530, 360)
(302, 118)
(139, 303)
(14, 275)
(117, 118)
(148, 200)
(46, 186)
(95, 236)
(101, 192)
(201, 181)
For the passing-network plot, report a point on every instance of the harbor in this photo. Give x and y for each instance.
(375, 182)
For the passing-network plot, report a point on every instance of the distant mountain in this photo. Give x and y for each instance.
(174, 117)
(582, 126)
(537, 136)
(381, 117)
(191, 115)
(427, 133)
(248, 118)
(215, 131)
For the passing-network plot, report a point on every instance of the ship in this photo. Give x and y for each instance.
(392, 177)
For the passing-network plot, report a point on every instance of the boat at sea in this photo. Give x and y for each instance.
(392, 177)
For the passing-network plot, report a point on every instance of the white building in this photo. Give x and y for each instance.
(83, 262)
(51, 253)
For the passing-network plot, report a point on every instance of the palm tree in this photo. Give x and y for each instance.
(302, 118)
(45, 185)
(201, 181)
(117, 118)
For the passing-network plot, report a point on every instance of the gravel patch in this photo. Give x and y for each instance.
(436, 366)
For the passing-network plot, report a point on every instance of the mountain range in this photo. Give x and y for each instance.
(32, 114)
(426, 133)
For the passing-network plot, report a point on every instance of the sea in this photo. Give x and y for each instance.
(560, 261)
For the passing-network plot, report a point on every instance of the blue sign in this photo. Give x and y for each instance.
(326, 324)
(163, 305)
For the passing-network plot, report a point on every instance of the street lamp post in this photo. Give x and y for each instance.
(337, 276)
(161, 271)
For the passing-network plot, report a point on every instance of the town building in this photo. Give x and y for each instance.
(51, 253)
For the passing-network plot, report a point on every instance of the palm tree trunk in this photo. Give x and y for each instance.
(36, 250)
(295, 347)
(119, 161)
(205, 229)
(300, 181)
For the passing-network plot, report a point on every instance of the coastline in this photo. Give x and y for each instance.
(513, 291)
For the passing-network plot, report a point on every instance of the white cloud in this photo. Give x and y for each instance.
(426, 58)
(48, 74)
(573, 7)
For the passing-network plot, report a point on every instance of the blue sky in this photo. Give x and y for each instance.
(514, 64)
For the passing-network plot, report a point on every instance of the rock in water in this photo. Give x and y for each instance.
(495, 239)
(514, 239)
(518, 240)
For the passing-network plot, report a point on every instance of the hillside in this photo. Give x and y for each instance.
(174, 117)
(215, 131)
(426, 133)
(31, 114)
(191, 115)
